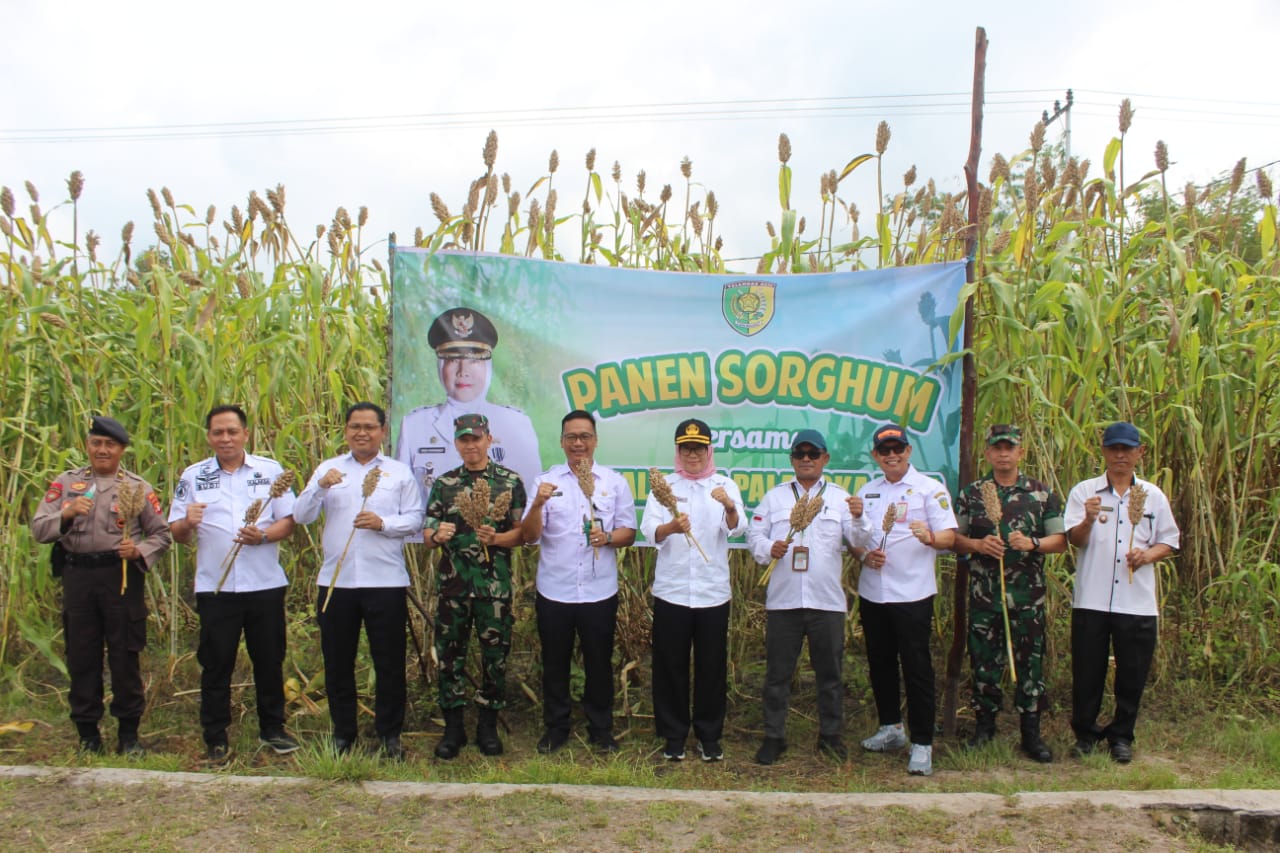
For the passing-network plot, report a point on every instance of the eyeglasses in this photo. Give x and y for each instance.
(806, 454)
(892, 450)
(691, 449)
(577, 437)
(363, 427)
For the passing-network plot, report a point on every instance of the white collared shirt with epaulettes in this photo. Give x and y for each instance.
(1102, 580)
(226, 496)
(819, 587)
(681, 574)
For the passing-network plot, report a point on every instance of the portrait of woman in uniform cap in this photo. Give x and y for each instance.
(464, 340)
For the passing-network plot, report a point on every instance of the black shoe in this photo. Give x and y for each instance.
(833, 745)
(131, 748)
(219, 753)
(342, 745)
(674, 750)
(552, 741)
(1033, 746)
(771, 750)
(90, 745)
(984, 730)
(392, 749)
(603, 743)
(1084, 746)
(1121, 751)
(487, 732)
(455, 735)
(280, 741)
(711, 750)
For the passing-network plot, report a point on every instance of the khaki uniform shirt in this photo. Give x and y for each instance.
(100, 530)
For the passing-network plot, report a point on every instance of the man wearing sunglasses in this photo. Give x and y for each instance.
(896, 591)
(805, 598)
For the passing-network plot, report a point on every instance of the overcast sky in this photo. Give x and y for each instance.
(569, 76)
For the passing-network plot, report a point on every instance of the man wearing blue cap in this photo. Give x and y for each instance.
(81, 512)
(1114, 610)
(805, 598)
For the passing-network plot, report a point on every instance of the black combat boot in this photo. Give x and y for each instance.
(1032, 745)
(455, 734)
(984, 730)
(487, 732)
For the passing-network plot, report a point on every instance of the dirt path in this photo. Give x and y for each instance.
(115, 809)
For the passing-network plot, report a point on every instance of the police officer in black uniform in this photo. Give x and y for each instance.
(102, 581)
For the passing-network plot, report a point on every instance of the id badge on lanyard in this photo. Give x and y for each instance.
(800, 553)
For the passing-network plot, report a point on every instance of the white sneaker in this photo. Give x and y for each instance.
(886, 739)
(921, 763)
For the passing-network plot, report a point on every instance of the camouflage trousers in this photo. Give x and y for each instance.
(987, 651)
(492, 620)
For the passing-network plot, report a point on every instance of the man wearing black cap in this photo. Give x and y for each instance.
(691, 594)
(1028, 527)
(474, 583)
(805, 598)
(80, 512)
(896, 590)
(464, 340)
(1114, 610)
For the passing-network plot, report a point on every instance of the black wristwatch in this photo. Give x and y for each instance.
(1035, 544)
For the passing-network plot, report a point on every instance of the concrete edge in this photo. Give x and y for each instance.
(958, 803)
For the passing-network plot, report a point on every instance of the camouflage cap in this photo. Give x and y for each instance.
(693, 431)
(1004, 432)
(109, 428)
(470, 425)
(462, 333)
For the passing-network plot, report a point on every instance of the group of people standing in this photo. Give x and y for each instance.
(237, 507)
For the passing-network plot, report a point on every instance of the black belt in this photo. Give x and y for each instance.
(93, 559)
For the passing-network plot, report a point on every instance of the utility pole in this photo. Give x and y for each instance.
(1060, 110)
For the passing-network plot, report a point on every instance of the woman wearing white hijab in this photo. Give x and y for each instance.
(463, 340)
(691, 594)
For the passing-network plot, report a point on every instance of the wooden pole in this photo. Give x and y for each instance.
(969, 384)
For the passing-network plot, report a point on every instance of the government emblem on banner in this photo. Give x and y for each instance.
(748, 306)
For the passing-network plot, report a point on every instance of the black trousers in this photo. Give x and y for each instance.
(224, 616)
(784, 634)
(676, 631)
(898, 634)
(384, 612)
(1095, 635)
(593, 624)
(94, 615)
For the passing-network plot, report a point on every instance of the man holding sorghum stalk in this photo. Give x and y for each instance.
(240, 585)
(1123, 526)
(371, 503)
(691, 592)
(910, 522)
(1007, 523)
(581, 513)
(474, 513)
(800, 529)
(109, 529)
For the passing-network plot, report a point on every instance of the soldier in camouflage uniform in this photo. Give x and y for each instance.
(1032, 526)
(474, 591)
